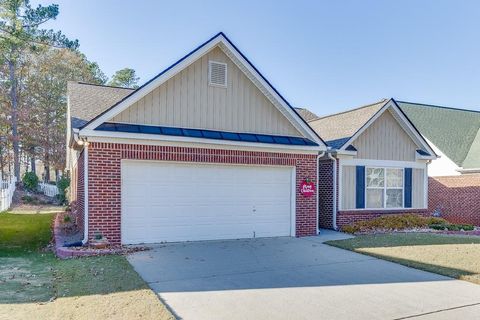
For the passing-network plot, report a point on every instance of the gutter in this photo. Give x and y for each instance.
(85, 187)
(318, 211)
(467, 171)
(334, 213)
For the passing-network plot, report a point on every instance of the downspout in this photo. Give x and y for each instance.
(318, 210)
(85, 194)
(334, 216)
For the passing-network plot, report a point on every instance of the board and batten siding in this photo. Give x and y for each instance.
(418, 188)
(348, 186)
(188, 101)
(385, 139)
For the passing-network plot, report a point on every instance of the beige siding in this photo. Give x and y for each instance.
(418, 188)
(186, 100)
(385, 139)
(348, 187)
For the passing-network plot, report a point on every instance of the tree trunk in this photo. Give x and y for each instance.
(2, 164)
(32, 160)
(47, 168)
(15, 142)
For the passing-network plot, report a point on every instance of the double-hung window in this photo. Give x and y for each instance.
(384, 187)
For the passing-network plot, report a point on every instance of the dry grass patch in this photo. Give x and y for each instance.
(454, 256)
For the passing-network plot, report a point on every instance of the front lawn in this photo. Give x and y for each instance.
(35, 284)
(453, 256)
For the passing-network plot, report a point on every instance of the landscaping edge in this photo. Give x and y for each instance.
(63, 252)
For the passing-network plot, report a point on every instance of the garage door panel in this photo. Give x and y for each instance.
(164, 201)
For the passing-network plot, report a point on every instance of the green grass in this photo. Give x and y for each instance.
(449, 255)
(34, 281)
(24, 233)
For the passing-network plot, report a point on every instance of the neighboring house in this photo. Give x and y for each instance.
(378, 165)
(454, 134)
(207, 149)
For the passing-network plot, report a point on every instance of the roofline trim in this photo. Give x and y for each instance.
(351, 110)
(437, 106)
(101, 85)
(391, 103)
(93, 135)
(292, 115)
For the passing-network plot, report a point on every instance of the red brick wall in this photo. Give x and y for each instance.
(104, 190)
(349, 217)
(325, 194)
(457, 197)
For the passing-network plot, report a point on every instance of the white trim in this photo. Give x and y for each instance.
(383, 163)
(384, 188)
(220, 39)
(470, 170)
(137, 138)
(293, 203)
(320, 155)
(405, 124)
(210, 62)
(85, 194)
(347, 153)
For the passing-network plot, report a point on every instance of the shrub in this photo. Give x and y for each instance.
(30, 181)
(62, 185)
(393, 222)
(452, 227)
(67, 218)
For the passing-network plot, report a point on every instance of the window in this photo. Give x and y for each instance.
(217, 73)
(384, 188)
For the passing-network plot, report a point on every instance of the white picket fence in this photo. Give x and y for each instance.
(49, 190)
(7, 188)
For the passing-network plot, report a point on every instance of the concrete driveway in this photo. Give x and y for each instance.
(289, 278)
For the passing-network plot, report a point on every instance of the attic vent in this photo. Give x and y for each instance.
(217, 73)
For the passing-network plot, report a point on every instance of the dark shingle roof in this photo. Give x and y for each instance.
(86, 101)
(455, 132)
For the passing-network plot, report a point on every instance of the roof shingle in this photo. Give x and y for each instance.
(455, 132)
(86, 101)
(337, 128)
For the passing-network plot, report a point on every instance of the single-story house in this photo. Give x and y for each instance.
(377, 164)
(209, 149)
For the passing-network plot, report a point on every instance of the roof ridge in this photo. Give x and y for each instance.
(437, 106)
(101, 85)
(350, 110)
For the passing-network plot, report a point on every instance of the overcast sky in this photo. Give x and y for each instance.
(325, 55)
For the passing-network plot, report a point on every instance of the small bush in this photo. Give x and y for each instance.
(452, 227)
(30, 181)
(393, 222)
(62, 185)
(67, 218)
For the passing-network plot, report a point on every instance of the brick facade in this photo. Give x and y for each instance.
(104, 173)
(77, 192)
(457, 197)
(325, 194)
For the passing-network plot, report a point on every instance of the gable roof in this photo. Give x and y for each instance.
(456, 132)
(341, 129)
(337, 129)
(239, 58)
(306, 114)
(87, 100)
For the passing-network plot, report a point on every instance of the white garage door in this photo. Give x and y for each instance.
(164, 201)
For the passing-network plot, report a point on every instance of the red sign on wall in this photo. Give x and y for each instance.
(307, 188)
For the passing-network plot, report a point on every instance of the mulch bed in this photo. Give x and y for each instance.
(68, 235)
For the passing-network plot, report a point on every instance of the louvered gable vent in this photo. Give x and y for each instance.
(217, 73)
